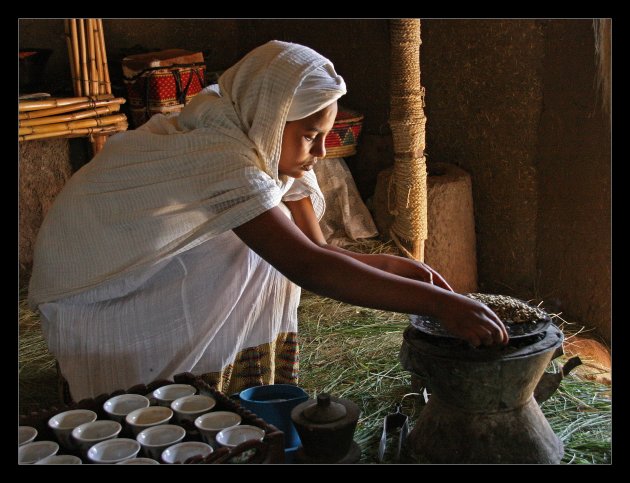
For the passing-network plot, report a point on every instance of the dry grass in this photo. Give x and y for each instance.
(38, 384)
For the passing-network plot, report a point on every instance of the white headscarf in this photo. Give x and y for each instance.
(176, 182)
(318, 90)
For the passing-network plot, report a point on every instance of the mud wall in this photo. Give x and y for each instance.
(574, 194)
(513, 103)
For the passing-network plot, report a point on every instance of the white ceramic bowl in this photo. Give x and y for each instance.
(88, 434)
(118, 407)
(139, 461)
(30, 453)
(231, 437)
(26, 434)
(211, 423)
(63, 423)
(187, 408)
(144, 418)
(60, 459)
(165, 395)
(156, 439)
(113, 451)
(180, 452)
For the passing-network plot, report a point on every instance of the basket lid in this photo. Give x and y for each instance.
(345, 115)
(134, 64)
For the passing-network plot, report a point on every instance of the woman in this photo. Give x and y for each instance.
(182, 245)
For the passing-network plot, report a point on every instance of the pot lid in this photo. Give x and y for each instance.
(325, 411)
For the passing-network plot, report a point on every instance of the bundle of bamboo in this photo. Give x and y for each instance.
(92, 111)
(88, 58)
(70, 117)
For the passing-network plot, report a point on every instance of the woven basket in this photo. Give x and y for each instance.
(342, 139)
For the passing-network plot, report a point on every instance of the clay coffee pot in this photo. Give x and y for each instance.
(326, 428)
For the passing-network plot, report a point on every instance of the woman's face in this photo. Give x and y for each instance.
(303, 142)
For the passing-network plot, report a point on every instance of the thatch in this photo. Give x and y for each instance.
(603, 56)
(44, 168)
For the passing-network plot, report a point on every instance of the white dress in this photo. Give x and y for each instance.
(194, 313)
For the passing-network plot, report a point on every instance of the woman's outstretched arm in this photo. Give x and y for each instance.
(278, 240)
(304, 217)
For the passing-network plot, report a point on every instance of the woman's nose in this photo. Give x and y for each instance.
(319, 149)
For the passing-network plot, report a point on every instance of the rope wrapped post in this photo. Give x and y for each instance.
(408, 186)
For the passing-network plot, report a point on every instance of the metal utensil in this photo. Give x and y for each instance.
(394, 424)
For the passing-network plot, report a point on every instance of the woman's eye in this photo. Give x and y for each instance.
(309, 139)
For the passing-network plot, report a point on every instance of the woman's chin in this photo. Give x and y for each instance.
(297, 174)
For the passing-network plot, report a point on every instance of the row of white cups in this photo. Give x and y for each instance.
(79, 430)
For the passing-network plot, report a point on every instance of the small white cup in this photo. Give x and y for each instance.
(180, 452)
(232, 437)
(210, 424)
(165, 395)
(156, 439)
(63, 423)
(144, 418)
(113, 451)
(118, 407)
(87, 435)
(187, 408)
(60, 459)
(30, 453)
(26, 434)
(139, 461)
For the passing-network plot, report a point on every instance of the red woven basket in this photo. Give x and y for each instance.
(342, 139)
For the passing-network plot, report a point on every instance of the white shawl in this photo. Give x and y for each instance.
(176, 182)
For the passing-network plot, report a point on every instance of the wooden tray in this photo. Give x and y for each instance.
(269, 450)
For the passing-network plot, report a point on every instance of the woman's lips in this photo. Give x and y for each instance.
(308, 166)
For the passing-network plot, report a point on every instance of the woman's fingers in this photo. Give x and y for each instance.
(440, 282)
(472, 338)
(500, 333)
(485, 335)
(435, 278)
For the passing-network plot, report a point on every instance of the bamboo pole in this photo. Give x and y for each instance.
(75, 61)
(98, 141)
(99, 60)
(85, 85)
(93, 74)
(58, 102)
(62, 126)
(69, 108)
(96, 84)
(108, 84)
(73, 72)
(74, 116)
(73, 133)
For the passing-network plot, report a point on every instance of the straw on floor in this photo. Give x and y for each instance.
(352, 352)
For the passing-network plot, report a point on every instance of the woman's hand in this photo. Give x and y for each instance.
(470, 320)
(412, 269)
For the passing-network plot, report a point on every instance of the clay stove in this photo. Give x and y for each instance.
(482, 407)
